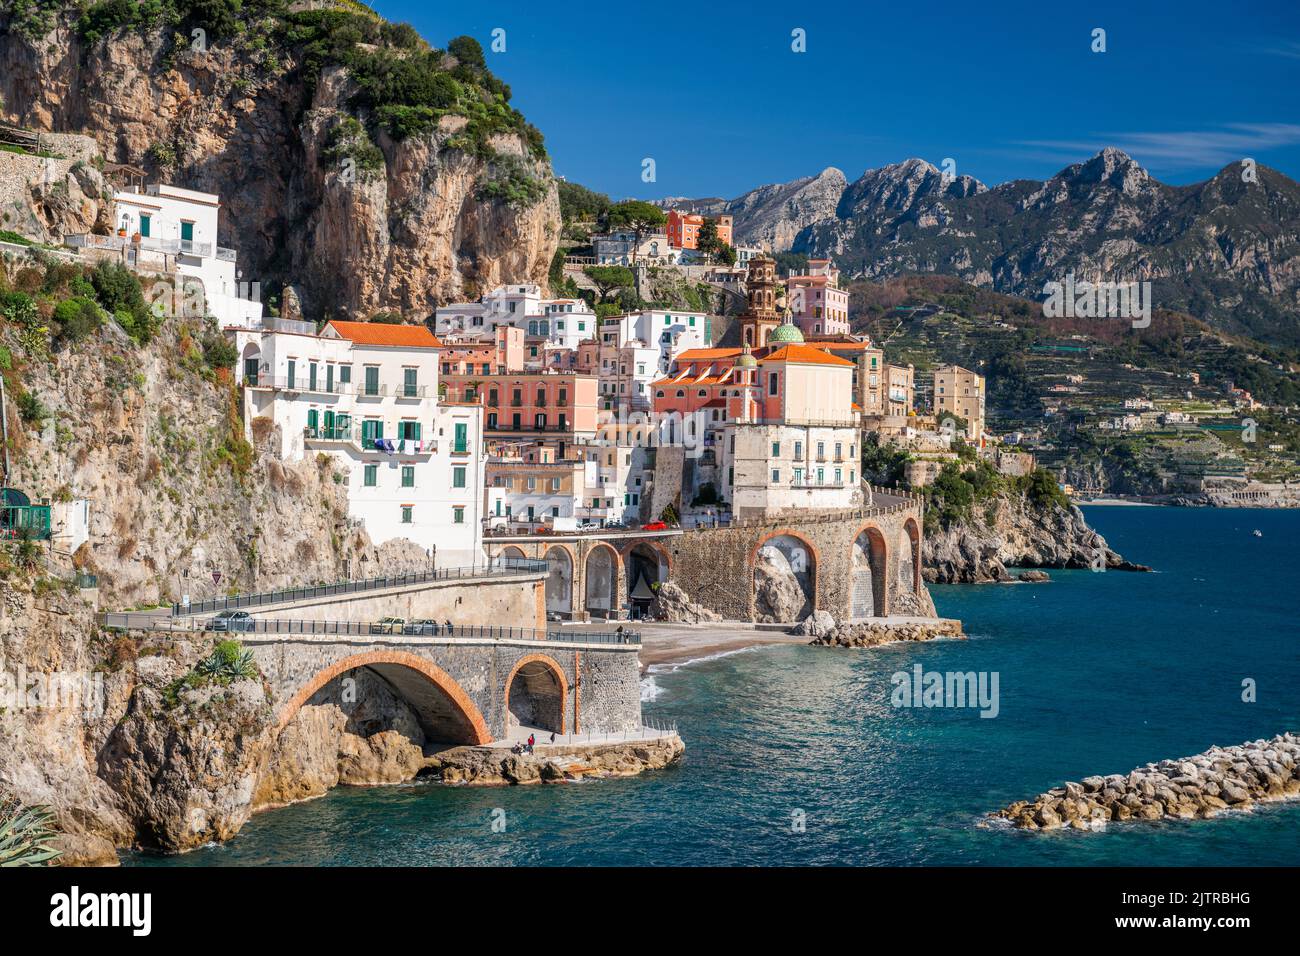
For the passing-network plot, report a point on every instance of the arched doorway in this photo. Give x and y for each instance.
(784, 579)
(868, 562)
(559, 581)
(647, 568)
(600, 575)
(250, 365)
(535, 696)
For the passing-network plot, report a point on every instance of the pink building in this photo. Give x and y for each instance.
(819, 305)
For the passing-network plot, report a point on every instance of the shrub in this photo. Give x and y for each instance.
(76, 318)
(218, 352)
(349, 140)
(118, 291)
(31, 409)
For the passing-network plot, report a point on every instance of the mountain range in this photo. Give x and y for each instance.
(1226, 250)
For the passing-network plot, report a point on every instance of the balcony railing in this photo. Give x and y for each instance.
(225, 255)
(353, 434)
(188, 247)
(25, 521)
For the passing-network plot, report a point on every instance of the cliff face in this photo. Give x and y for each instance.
(1014, 532)
(251, 123)
(155, 441)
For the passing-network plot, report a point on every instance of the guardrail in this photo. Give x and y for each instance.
(498, 566)
(145, 621)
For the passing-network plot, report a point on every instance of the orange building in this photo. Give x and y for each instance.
(684, 229)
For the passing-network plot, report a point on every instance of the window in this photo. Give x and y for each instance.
(410, 388)
(461, 444)
(187, 231)
(144, 225)
(798, 476)
(292, 370)
(776, 449)
(776, 475)
(798, 449)
(773, 382)
(821, 451)
(345, 374)
(372, 379)
(458, 513)
(555, 512)
(408, 476)
(371, 476)
(839, 451)
(458, 476)
(311, 376)
(407, 514)
(839, 476)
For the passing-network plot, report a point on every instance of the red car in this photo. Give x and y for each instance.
(654, 526)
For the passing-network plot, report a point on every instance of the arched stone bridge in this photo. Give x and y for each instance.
(464, 689)
(855, 564)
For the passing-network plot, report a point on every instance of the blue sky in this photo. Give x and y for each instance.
(716, 96)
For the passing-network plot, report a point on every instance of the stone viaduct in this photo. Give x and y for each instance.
(854, 564)
(465, 689)
(483, 664)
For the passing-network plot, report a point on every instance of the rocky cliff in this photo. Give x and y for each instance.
(1013, 531)
(358, 205)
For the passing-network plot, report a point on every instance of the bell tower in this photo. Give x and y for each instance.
(762, 289)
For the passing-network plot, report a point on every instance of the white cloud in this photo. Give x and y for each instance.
(1179, 149)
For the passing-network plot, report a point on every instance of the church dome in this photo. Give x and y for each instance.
(786, 332)
(746, 359)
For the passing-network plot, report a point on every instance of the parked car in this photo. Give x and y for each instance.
(231, 621)
(424, 627)
(655, 526)
(388, 625)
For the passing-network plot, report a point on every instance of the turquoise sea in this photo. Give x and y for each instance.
(795, 755)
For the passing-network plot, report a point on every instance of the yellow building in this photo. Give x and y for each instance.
(960, 392)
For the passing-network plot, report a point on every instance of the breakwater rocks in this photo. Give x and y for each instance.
(489, 766)
(823, 629)
(1222, 778)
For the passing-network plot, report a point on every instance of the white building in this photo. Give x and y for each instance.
(366, 394)
(562, 323)
(615, 249)
(181, 224)
(626, 373)
(669, 332)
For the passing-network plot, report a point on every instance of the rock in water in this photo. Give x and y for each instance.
(1201, 786)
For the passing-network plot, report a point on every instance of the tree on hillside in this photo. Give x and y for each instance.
(609, 279)
(637, 217)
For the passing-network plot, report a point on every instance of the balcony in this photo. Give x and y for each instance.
(201, 250)
(350, 434)
(413, 391)
(225, 255)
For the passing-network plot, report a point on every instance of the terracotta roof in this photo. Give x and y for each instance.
(383, 333)
(805, 355)
(704, 355)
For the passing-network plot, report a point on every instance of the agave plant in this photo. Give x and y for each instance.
(25, 833)
(227, 662)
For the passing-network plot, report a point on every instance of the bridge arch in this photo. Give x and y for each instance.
(600, 580)
(909, 556)
(536, 692)
(868, 574)
(647, 565)
(789, 553)
(422, 683)
(559, 580)
(510, 551)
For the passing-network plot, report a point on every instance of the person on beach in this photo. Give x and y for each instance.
(531, 741)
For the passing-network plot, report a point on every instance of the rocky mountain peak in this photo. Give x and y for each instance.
(1112, 167)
